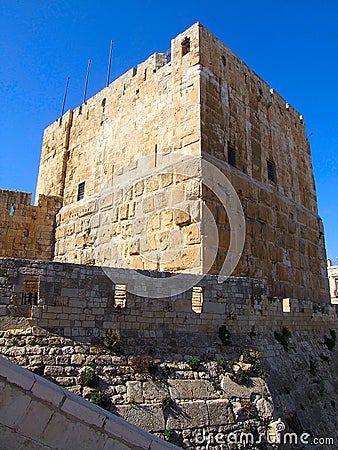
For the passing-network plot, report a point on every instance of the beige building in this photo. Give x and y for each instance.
(332, 271)
(189, 163)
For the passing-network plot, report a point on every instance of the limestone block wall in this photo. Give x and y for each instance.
(245, 125)
(35, 413)
(81, 302)
(27, 231)
(298, 387)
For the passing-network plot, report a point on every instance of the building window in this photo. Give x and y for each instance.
(286, 305)
(271, 171)
(197, 299)
(30, 293)
(231, 156)
(81, 191)
(120, 296)
(11, 211)
(185, 46)
(336, 290)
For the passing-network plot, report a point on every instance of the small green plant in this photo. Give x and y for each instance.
(89, 378)
(14, 341)
(100, 399)
(283, 338)
(224, 335)
(112, 340)
(167, 403)
(241, 377)
(330, 342)
(221, 362)
(169, 435)
(253, 357)
(194, 363)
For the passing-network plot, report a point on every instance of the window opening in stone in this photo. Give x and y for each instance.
(224, 61)
(286, 305)
(30, 293)
(271, 170)
(197, 299)
(120, 295)
(81, 191)
(11, 211)
(168, 56)
(145, 74)
(232, 156)
(185, 46)
(155, 155)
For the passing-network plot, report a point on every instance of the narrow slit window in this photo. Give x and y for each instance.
(81, 191)
(197, 299)
(232, 156)
(120, 296)
(271, 171)
(185, 46)
(30, 293)
(155, 155)
(11, 211)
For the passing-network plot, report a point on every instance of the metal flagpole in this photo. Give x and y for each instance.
(86, 83)
(64, 100)
(109, 61)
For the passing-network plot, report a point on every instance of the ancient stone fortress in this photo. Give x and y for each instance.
(177, 202)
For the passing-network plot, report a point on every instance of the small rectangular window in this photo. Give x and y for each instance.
(185, 46)
(271, 170)
(30, 293)
(231, 156)
(120, 296)
(197, 299)
(81, 191)
(286, 305)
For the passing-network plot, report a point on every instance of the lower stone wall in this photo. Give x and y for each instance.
(80, 302)
(190, 400)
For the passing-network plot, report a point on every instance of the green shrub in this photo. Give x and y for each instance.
(100, 399)
(253, 357)
(89, 378)
(221, 362)
(112, 340)
(224, 335)
(241, 377)
(169, 435)
(194, 363)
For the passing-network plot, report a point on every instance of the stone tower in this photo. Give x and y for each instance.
(127, 199)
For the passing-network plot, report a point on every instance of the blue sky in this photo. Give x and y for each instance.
(291, 44)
